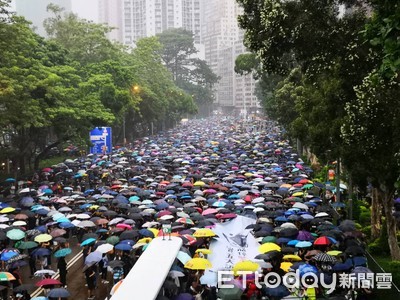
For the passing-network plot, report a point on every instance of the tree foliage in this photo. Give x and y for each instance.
(340, 81)
(191, 74)
(57, 89)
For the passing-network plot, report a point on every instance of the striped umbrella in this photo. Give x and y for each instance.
(6, 276)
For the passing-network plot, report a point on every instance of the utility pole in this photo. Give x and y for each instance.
(124, 130)
(338, 180)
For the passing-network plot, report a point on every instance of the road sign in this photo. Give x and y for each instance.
(101, 139)
(167, 228)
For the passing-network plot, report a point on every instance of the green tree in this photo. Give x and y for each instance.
(371, 126)
(162, 101)
(191, 74)
(41, 93)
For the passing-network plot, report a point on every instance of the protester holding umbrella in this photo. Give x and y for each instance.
(91, 278)
(62, 269)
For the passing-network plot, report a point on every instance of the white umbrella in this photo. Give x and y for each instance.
(104, 248)
(300, 205)
(44, 272)
(83, 216)
(19, 223)
(86, 224)
(167, 217)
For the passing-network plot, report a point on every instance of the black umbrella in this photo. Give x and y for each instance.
(288, 232)
(269, 255)
(24, 287)
(115, 263)
(89, 235)
(355, 251)
(129, 235)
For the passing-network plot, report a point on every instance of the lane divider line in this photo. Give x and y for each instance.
(39, 290)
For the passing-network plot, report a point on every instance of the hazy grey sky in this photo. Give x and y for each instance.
(87, 9)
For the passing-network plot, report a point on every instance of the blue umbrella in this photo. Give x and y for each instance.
(279, 292)
(40, 298)
(41, 252)
(42, 212)
(293, 242)
(47, 192)
(62, 252)
(58, 293)
(7, 254)
(162, 205)
(10, 180)
(131, 242)
(66, 225)
(146, 233)
(88, 241)
(27, 201)
(123, 246)
(303, 244)
(64, 220)
(93, 258)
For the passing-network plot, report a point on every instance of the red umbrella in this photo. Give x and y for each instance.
(226, 216)
(187, 184)
(48, 281)
(188, 239)
(322, 241)
(210, 191)
(163, 213)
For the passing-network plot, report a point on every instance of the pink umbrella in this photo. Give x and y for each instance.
(210, 191)
(209, 211)
(124, 226)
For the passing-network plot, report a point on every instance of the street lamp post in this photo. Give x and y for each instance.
(124, 130)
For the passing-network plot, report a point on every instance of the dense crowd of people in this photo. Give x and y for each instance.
(202, 173)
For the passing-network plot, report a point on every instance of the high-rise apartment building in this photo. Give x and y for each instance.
(36, 11)
(136, 19)
(223, 42)
(110, 12)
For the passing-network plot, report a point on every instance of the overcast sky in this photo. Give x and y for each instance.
(87, 9)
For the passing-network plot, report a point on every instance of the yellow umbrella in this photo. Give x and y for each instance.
(286, 185)
(248, 174)
(7, 210)
(199, 183)
(292, 257)
(246, 265)
(334, 252)
(145, 240)
(203, 250)
(203, 232)
(198, 264)
(154, 230)
(43, 238)
(268, 247)
(285, 266)
(298, 194)
(94, 207)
